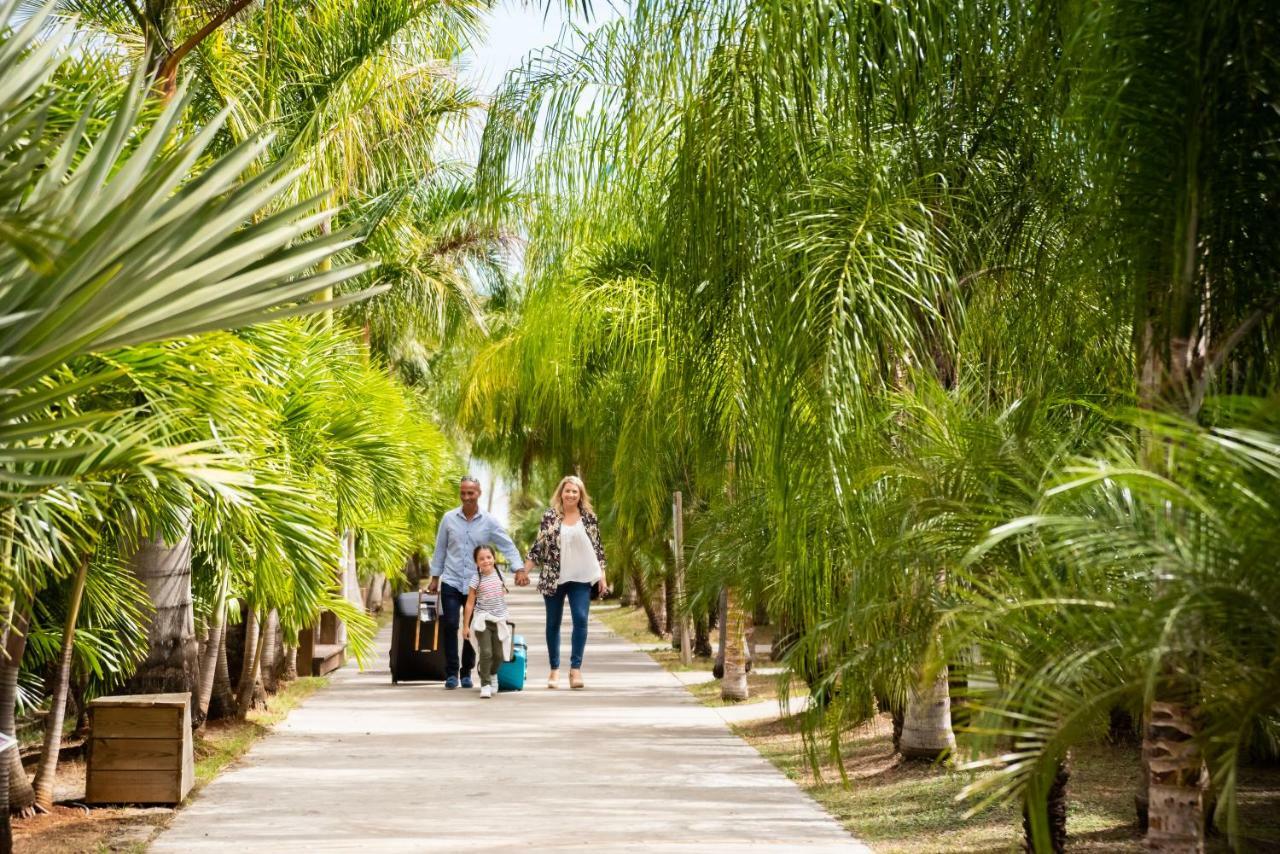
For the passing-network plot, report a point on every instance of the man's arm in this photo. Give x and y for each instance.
(503, 541)
(439, 553)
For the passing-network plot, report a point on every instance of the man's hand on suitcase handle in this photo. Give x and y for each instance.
(434, 586)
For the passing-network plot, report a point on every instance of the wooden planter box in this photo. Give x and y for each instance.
(140, 749)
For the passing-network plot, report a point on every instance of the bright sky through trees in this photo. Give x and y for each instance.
(513, 29)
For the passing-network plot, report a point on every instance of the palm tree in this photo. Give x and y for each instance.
(862, 230)
(124, 253)
(355, 96)
(1181, 204)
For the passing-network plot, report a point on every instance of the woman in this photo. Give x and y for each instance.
(568, 550)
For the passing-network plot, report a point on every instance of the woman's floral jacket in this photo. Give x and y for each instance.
(546, 548)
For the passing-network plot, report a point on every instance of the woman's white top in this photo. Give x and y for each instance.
(577, 555)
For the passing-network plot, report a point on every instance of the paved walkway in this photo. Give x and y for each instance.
(632, 763)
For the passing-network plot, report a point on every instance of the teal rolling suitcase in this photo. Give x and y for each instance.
(511, 673)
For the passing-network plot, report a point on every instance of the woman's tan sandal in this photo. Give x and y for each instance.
(553, 681)
(575, 679)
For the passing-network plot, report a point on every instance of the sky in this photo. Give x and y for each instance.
(514, 28)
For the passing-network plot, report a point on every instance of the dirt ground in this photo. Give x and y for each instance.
(73, 828)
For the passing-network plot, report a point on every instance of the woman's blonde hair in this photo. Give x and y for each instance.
(584, 500)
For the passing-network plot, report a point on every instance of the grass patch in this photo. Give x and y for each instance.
(898, 806)
(670, 659)
(630, 623)
(223, 742)
(633, 625)
(760, 688)
(905, 807)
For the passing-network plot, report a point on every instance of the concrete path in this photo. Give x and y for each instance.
(632, 763)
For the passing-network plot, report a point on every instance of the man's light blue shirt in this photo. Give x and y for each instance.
(456, 541)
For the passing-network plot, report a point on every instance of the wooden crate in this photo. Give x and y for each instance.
(140, 749)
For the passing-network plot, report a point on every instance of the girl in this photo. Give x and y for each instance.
(486, 616)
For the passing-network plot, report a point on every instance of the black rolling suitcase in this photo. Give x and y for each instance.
(417, 642)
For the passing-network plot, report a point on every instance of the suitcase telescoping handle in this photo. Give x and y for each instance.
(417, 624)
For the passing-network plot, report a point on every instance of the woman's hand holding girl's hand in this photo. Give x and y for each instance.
(466, 632)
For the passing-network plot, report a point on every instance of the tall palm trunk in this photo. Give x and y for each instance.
(173, 652)
(646, 600)
(373, 593)
(1055, 812)
(270, 668)
(702, 637)
(222, 703)
(669, 606)
(6, 827)
(734, 684)
(926, 726)
(22, 797)
(252, 660)
(289, 668)
(48, 767)
(350, 581)
(214, 647)
(1174, 789)
(1177, 778)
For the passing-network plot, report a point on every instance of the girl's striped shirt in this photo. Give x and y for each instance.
(489, 597)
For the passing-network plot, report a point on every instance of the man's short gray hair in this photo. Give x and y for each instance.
(467, 478)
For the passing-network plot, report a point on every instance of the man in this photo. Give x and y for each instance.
(453, 564)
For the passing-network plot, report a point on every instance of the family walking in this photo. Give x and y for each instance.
(464, 573)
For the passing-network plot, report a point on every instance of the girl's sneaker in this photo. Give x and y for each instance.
(485, 692)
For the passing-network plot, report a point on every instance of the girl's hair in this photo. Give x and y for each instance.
(584, 500)
(475, 554)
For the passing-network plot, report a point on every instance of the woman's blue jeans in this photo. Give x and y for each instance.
(579, 595)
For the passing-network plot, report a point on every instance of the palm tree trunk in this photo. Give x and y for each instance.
(722, 605)
(1177, 779)
(6, 827)
(167, 74)
(249, 668)
(734, 684)
(223, 702)
(43, 784)
(373, 594)
(1056, 810)
(669, 606)
(79, 698)
(646, 599)
(214, 650)
(289, 669)
(173, 653)
(926, 726)
(270, 669)
(898, 717)
(22, 797)
(702, 637)
(351, 590)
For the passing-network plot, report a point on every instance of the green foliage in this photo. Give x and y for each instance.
(867, 282)
(133, 226)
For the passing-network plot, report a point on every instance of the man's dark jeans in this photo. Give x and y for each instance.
(452, 602)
